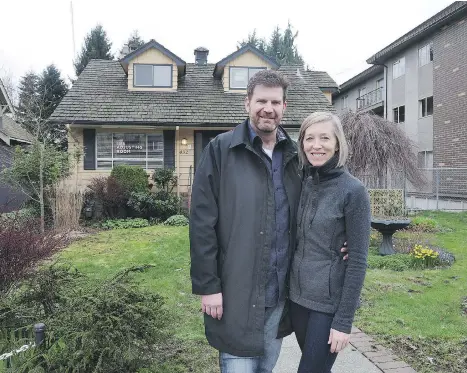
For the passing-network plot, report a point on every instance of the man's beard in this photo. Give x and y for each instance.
(265, 127)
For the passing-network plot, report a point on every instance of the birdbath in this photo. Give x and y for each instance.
(387, 227)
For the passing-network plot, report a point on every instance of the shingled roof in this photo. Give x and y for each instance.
(11, 130)
(101, 96)
(321, 79)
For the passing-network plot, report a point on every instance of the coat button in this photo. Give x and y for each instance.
(254, 305)
(261, 232)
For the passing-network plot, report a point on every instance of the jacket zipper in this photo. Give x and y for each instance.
(305, 217)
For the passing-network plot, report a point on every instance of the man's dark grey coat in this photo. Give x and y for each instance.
(230, 234)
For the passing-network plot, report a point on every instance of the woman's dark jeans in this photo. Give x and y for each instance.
(312, 331)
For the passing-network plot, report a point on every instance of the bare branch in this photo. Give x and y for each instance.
(379, 146)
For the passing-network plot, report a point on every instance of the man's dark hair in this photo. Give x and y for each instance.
(268, 78)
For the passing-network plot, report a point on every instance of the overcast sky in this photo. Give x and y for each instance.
(335, 36)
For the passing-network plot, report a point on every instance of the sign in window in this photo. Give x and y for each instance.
(134, 149)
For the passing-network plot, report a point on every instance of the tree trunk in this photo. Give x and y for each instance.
(41, 186)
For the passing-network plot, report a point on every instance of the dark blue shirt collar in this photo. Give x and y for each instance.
(280, 134)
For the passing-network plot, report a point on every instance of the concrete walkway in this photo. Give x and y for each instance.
(362, 356)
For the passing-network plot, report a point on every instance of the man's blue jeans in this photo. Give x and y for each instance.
(272, 347)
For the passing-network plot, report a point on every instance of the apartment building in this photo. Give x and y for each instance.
(420, 82)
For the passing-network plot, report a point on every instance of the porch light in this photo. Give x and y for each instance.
(184, 141)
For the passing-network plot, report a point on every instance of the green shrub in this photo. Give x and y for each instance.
(132, 179)
(155, 206)
(396, 262)
(177, 220)
(106, 327)
(125, 223)
(423, 224)
(165, 179)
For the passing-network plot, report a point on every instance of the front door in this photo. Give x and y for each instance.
(202, 139)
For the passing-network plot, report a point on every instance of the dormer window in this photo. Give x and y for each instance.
(153, 76)
(240, 76)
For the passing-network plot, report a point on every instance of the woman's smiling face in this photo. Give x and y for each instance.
(320, 143)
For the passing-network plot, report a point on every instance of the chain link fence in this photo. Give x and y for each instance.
(445, 188)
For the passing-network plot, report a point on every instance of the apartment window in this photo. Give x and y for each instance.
(134, 149)
(425, 107)
(240, 76)
(425, 54)
(399, 114)
(398, 68)
(345, 102)
(152, 75)
(425, 159)
(380, 83)
(360, 101)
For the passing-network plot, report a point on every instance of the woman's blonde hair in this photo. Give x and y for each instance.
(318, 117)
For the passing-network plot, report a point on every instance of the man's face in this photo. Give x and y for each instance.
(265, 108)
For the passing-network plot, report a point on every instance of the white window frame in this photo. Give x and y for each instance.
(397, 108)
(425, 157)
(379, 83)
(425, 54)
(345, 102)
(398, 68)
(154, 69)
(113, 158)
(250, 70)
(425, 114)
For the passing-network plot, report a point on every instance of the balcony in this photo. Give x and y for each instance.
(370, 100)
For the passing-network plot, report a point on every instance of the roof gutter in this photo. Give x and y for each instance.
(394, 48)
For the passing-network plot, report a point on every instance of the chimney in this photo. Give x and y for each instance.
(201, 56)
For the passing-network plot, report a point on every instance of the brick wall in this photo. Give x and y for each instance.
(450, 95)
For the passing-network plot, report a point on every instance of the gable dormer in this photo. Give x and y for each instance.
(5, 104)
(236, 69)
(152, 67)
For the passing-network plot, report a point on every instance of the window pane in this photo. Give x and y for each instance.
(163, 76)
(155, 151)
(422, 56)
(431, 51)
(238, 77)
(401, 114)
(253, 71)
(429, 106)
(395, 115)
(104, 150)
(143, 75)
(402, 66)
(130, 149)
(395, 70)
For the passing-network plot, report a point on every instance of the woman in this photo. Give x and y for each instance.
(334, 208)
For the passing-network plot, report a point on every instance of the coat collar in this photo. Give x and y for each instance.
(327, 171)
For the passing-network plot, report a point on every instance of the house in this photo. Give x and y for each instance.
(11, 135)
(152, 109)
(420, 82)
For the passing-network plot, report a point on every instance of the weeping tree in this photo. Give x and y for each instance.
(379, 148)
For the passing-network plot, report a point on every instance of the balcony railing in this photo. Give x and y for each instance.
(370, 98)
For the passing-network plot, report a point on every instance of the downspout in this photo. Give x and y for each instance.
(177, 146)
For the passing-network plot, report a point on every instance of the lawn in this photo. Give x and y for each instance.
(102, 255)
(422, 314)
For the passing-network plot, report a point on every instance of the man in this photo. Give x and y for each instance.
(243, 216)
